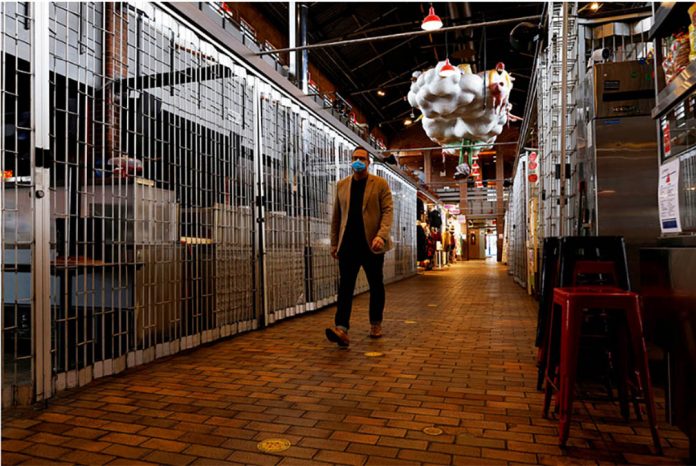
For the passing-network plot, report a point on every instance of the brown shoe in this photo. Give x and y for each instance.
(338, 336)
(376, 331)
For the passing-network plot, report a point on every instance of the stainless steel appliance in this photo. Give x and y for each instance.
(619, 169)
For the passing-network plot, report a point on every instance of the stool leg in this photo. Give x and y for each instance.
(548, 394)
(620, 360)
(541, 370)
(634, 398)
(550, 366)
(641, 360)
(570, 339)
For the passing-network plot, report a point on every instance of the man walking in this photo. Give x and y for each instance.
(360, 226)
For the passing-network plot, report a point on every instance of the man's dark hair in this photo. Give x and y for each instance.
(357, 148)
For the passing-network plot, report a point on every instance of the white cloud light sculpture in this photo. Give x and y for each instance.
(462, 105)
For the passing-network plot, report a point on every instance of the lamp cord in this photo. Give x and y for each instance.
(485, 48)
(446, 44)
(485, 62)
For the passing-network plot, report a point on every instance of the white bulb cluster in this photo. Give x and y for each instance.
(462, 105)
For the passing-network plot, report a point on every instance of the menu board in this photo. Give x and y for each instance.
(668, 197)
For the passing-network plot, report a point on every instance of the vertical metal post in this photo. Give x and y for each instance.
(2, 190)
(41, 281)
(337, 163)
(292, 36)
(500, 210)
(656, 63)
(427, 166)
(262, 296)
(564, 119)
(304, 14)
(582, 141)
(464, 210)
(41, 265)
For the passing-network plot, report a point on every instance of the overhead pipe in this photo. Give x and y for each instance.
(331, 58)
(409, 71)
(358, 32)
(400, 83)
(400, 35)
(466, 146)
(612, 17)
(380, 55)
(373, 21)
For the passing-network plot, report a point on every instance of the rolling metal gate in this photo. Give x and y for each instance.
(554, 220)
(516, 224)
(156, 195)
(399, 261)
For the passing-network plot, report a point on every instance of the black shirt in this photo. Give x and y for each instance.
(435, 219)
(354, 240)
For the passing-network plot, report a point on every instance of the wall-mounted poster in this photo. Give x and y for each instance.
(668, 197)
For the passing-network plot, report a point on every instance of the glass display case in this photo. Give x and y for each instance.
(675, 113)
(678, 127)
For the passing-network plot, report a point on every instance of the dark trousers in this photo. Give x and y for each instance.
(349, 264)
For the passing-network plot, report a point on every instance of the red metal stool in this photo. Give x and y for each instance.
(572, 301)
(602, 273)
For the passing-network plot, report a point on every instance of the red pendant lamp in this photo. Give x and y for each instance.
(432, 21)
(447, 69)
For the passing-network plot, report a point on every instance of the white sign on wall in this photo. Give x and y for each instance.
(668, 197)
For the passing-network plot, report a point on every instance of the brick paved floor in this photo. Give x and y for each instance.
(458, 354)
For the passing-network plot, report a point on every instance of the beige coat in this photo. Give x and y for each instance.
(377, 211)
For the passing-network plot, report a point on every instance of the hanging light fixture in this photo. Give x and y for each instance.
(431, 22)
(447, 69)
(408, 122)
(381, 93)
(592, 6)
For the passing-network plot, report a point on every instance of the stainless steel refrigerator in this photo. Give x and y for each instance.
(618, 167)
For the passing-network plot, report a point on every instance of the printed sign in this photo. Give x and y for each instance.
(668, 197)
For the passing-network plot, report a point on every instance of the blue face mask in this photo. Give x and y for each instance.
(358, 166)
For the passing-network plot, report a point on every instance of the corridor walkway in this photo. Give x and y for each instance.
(457, 355)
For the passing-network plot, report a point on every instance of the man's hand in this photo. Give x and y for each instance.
(377, 244)
(334, 252)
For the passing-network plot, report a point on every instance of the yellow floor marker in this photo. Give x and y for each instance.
(273, 445)
(373, 354)
(432, 430)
